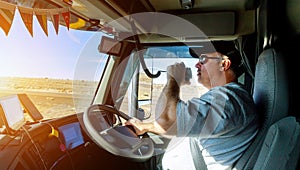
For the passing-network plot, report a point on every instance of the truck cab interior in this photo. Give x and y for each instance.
(140, 38)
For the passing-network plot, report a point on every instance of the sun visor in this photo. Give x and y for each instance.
(213, 24)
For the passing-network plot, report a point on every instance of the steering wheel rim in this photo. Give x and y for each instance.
(111, 139)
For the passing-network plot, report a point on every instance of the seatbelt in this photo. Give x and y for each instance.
(198, 159)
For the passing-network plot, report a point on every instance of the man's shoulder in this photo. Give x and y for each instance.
(232, 86)
(229, 91)
(235, 87)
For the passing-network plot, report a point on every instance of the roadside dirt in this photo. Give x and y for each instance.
(52, 97)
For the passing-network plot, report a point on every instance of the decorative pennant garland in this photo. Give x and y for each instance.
(27, 17)
(7, 13)
(66, 15)
(41, 16)
(55, 19)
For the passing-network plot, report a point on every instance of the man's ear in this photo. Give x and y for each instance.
(225, 64)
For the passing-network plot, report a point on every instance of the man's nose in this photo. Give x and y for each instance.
(198, 65)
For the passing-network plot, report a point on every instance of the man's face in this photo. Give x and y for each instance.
(208, 68)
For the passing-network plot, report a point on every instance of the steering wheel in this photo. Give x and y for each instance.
(116, 139)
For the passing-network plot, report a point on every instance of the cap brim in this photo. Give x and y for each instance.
(193, 53)
(213, 46)
(203, 48)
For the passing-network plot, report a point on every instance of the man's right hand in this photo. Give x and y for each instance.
(137, 125)
(177, 72)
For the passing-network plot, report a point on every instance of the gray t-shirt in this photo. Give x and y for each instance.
(221, 123)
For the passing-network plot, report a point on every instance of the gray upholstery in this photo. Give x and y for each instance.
(280, 146)
(270, 87)
(271, 98)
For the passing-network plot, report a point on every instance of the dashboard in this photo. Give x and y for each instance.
(59, 144)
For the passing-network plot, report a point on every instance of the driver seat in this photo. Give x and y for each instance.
(271, 98)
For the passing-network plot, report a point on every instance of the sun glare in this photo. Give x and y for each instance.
(53, 56)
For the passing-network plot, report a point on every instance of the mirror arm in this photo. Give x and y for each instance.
(137, 43)
(149, 74)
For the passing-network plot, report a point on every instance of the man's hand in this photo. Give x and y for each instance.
(139, 127)
(142, 127)
(177, 72)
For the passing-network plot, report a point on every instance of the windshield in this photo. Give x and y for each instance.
(52, 70)
(139, 93)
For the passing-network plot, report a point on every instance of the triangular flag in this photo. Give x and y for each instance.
(41, 15)
(55, 19)
(7, 13)
(66, 15)
(27, 16)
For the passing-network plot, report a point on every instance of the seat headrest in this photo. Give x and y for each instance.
(271, 87)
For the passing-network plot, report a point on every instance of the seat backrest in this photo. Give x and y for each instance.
(271, 94)
(271, 98)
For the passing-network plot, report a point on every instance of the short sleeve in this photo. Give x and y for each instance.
(211, 115)
(191, 117)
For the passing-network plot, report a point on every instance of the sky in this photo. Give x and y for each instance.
(55, 56)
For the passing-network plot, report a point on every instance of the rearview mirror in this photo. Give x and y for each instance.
(110, 46)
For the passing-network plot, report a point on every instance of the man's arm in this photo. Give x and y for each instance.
(165, 124)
